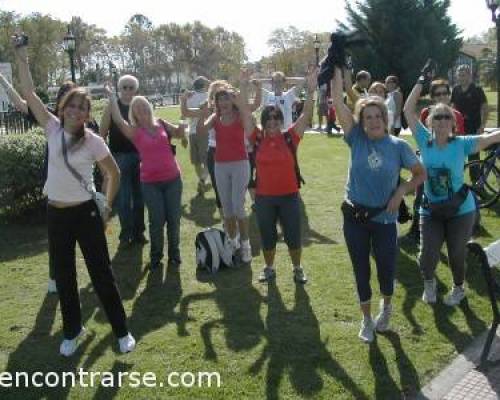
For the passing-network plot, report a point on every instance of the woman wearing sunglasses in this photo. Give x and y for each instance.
(443, 155)
(232, 170)
(277, 182)
(129, 200)
(440, 93)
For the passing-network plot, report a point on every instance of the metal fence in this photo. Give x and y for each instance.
(14, 122)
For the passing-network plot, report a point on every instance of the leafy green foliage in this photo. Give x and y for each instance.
(401, 35)
(21, 163)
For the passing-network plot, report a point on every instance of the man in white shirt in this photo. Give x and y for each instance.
(284, 100)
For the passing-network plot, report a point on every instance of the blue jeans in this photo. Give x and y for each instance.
(129, 201)
(383, 240)
(163, 200)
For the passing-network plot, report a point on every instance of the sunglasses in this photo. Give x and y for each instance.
(440, 117)
(128, 88)
(437, 94)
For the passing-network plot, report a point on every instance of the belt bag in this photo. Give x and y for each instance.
(358, 213)
(447, 209)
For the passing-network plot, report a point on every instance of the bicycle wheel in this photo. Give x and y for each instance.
(487, 186)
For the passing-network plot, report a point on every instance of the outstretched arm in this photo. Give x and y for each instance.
(302, 122)
(241, 101)
(18, 101)
(205, 122)
(410, 108)
(105, 122)
(344, 115)
(124, 126)
(487, 139)
(257, 101)
(27, 88)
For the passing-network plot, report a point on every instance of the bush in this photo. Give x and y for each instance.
(21, 164)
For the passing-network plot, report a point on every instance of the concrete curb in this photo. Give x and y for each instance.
(443, 383)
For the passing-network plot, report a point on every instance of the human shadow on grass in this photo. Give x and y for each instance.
(23, 240)
(39, 352)
(128, 270)
(109, 387)
(410, 278)
(239, 305)
(448, 329)
(385, 386)
(201, 211)
(309, 235)
(153, 309)
(254, 234)
(294, 346)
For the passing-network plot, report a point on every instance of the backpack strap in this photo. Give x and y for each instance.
(293, 149)
(253, 155)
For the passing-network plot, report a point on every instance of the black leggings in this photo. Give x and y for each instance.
(83, 224)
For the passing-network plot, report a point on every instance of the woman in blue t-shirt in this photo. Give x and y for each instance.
(372, 198)
(443, 155)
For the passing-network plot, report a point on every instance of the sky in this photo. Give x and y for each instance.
(254, 20)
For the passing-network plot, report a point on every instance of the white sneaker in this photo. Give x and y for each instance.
(429, 295)
(126, 343)
(246, 251)
(367, 331)
(51, 286)
(383, 317)
(69, 346)
(455, 296)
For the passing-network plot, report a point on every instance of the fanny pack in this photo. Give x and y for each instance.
(358, 213)
(444, 210)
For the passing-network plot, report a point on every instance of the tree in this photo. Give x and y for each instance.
(293, 50)
(401, 35)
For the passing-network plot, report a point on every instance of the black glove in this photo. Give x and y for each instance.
(426, 75)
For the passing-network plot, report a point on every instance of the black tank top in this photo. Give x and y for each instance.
(118, 142)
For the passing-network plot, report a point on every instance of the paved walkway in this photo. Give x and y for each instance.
(464, 380)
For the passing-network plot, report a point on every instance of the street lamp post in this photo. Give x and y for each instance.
(317, 44)
(493, 6)
(69, 46)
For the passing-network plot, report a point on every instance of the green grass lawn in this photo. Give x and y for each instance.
(266, 342)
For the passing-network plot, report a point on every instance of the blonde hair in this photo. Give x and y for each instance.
(136, 100)
(214, 87)
(370, 101)
(440, 107)
(374, 86)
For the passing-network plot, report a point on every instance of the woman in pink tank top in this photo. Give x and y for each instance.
(159, 173)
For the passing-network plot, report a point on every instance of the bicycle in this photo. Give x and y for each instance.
(487, 186)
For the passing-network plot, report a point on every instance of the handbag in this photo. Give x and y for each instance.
(358, 213)
(98, 197)
(444, 210)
